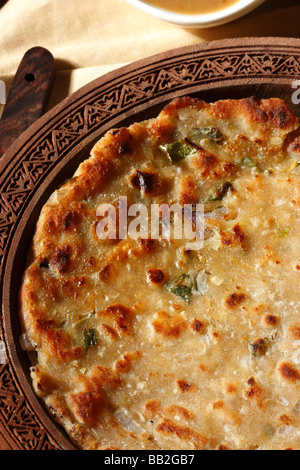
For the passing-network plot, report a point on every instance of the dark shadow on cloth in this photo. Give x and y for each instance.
(61, 85)
(2, 3)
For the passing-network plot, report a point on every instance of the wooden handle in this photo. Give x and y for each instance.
(28, 95)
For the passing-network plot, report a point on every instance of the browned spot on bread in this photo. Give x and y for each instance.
(197, 326)
(206, 162)
(272, 112)
(44, 324)
(218, 405)
(88, 406)
(216, 335)
(271, 320)
(188, 191)
(124, 363)
(295, 331)
(235, 238)
(90, 403)
(99, 169)
(109, 331)
(178, 411)
(147, 182)
(70, 220)
(259, 347)
(71, 288)
(156, 276)
(183, 433)
(147, 244)
(231, 388)
(56, 342)
(153, 407)
(182, 102)
(62, 258)
(168, 325)
(278, 114)
(210, 167)
(122, 317)
(235, 299)
(288, 372)
(51, 288)
(92, 261)
(44, 382)
(121, 143)
(284, 419)
(106, 272)
(63, 217)
(55, 288)
(65, 354)
(254, 392)
(96, 172)
(258, 309)
(161, 130)
(239, 235)
(185, 386)
(103, 377)
(222, 447)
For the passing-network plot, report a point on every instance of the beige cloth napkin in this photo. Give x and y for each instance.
(91, 37)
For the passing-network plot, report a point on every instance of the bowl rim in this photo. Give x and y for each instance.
(241, 7)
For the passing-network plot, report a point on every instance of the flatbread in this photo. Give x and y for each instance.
(145, 344)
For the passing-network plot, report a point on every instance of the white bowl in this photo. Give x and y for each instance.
(207, 20)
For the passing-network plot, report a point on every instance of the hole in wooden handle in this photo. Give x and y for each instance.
(29, 77)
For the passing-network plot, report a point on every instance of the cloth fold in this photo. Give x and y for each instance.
(89, 38)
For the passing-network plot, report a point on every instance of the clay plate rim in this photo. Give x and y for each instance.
(49, 152)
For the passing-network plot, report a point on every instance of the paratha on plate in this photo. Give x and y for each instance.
(145, 344)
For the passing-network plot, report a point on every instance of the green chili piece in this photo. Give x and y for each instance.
(182, 286)
(211, 133)
(90, 338)
(178, 150)
(221, 192)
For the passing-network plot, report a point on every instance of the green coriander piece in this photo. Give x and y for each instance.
(259, 347)
(247, 161)
(284, 232)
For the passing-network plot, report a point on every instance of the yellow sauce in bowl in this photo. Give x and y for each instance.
(193, 7)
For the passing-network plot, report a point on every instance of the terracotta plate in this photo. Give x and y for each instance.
(50, 151)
